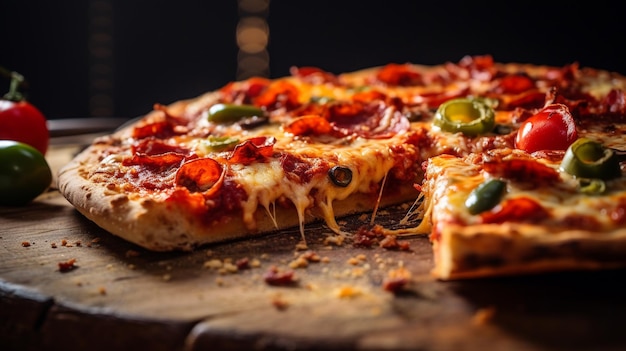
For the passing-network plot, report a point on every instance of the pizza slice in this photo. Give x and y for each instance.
(256, 156)
(507, 212)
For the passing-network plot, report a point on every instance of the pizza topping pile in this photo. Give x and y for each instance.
(516, 168)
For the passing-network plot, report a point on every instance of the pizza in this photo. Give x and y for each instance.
(509, 168)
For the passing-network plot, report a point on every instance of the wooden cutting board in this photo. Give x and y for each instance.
(122, 297)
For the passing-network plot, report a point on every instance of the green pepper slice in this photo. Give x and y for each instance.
(586, 158)
(219, 143)
(221, 113)
(591, 186)
(485, 196)
(472, 117)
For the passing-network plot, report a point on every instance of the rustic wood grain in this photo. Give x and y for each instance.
(121, 297)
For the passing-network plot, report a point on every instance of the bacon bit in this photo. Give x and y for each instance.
(245, 91)
(243, 263)
(253, 150)
(514, 84)
(53, 245)
(529, 100)
(63, 242)
(67, 266)
(160, 130)
(279, 94)
(25, 244)
(313, 75)
(520, 209)
(397, 280)
(521, 170)
(309, 125)
(615, 102)
(102, 290)
(157, 163)
(277, 277)
(399, 75)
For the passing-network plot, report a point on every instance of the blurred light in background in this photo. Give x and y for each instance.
(252, 39)
(100, 46)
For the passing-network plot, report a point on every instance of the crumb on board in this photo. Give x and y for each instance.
(303, 260)
(348, 292)
(334, 239)
(132, 253)
(66, 266)
(483, 315)
(25, 244)
(102, 290)
(397, 279)
(301, 246)
(279, 302)
(279, 277)
(357, 260)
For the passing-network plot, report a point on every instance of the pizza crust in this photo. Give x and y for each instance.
(157, 226)
(464, 252)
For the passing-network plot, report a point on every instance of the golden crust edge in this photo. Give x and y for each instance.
(157, 227)
(488, 240)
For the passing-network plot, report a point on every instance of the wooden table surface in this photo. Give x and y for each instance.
(122, 297)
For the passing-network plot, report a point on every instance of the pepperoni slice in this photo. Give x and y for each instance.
(201, 175)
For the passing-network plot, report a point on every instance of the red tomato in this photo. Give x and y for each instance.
(21, 121)
(552, 128)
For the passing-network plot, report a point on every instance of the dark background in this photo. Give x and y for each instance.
(162, 51)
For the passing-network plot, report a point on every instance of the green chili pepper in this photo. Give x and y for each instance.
(219, 143)
(471, 117)
(340, 176)
(231, 113)
(591, 186)
(589, 159)
(485, 196)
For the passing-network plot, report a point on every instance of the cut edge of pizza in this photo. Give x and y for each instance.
(539, 220)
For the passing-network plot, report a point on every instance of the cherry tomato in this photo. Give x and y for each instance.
(552, 128)
(21, 121)
(24, 173)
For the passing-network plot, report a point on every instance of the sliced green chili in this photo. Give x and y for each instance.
(591, 186)
(231, 113)
(471, 117)
(485, 196)
(219, 143)
(589, 159)
(340, 176)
